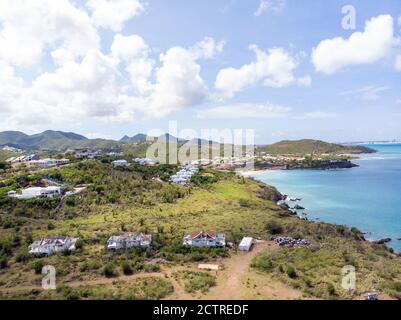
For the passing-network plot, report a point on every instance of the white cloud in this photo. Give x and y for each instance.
(207, 48)
(398, 101)
(178, 84)
(375, 43)
(273, 68)
(113, 14)
(134, 53)
(319, 115)
(305, 81)
(243, 111)
(369, 93)
(72, 92)
(398, 62)
(40, 24)
(275, 6)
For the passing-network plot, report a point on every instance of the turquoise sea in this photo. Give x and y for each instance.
(367, 197)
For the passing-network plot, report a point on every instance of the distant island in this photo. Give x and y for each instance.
(309, 146)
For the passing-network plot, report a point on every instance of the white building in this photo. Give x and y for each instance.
(47, 162)
(205, 239)
(144, 161)
(128, 241)
(246, 244)
(122, 163)
(36, 192)
(183, 176)
(47, 247)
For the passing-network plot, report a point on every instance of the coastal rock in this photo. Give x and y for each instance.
(382, 241)
(284, 206)
(298, 207)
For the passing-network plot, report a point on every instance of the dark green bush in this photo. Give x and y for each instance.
(274, 227)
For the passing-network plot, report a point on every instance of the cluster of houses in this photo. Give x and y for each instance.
(47, 247)
(37, 192)
(11, 149)
(201, 239)
(33, 160)
(23, 158)
(184, 175)
(144, 161)
(91, 155)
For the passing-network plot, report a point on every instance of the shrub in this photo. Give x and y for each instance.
(291, 272)
(70, 201)
(263, 263)
(152, 268)
(50, 226)
(38, 266)
(274, 227)
(127, 269)
(79, 245)
(22, 256)
(331, 290)
(197, 281)
(396, 286)
(3, 262)
(245, 203)
(109, 270)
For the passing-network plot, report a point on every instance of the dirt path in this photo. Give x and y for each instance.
(235, 282)
(229, 285)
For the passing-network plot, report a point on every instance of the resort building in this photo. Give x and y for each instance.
(47, 162)
(183, 176)
(144, 161)
(120, 163)
(47, 247)
(37, 192)
(128, 241)
(205, 239)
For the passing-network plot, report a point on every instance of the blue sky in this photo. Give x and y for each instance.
(348, 91)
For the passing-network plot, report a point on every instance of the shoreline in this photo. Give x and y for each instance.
(382, 241)
(255, 173)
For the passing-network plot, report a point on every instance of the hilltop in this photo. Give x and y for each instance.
(53, 140)
(309, 146)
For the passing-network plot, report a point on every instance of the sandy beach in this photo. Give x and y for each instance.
(253, 173)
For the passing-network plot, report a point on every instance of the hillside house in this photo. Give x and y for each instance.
(205, 239)
(120, 163)
(47, 247)
(144, 161)
(128, 241)
(37, 192)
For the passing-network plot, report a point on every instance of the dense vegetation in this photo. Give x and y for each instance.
(307, 146)
(140, 198)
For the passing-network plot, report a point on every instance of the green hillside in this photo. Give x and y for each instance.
(4, 155)
(309, 146)
(54, 140)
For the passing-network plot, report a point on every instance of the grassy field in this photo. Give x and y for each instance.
(129, 200)
(4, 155)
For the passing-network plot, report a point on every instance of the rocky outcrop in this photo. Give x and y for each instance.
(382, 241)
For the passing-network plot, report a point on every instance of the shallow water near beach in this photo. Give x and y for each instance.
(367, 197)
